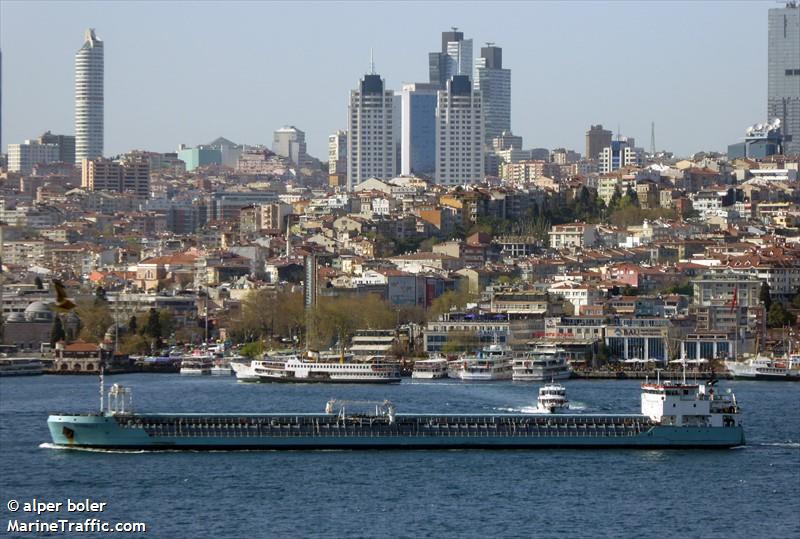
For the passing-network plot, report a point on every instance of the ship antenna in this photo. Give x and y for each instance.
(102, 387)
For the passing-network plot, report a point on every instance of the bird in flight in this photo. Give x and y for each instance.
(63, 303)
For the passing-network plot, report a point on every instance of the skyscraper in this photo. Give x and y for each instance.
(418, 121)
(783, 77)
(89, 98)
(459, 133)
(455, 58)
(372, 137)
(597, 139)
(494, 82)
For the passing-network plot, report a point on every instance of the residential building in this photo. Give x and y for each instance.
(22, 157)
(290, 142)
(620, 153)
(573, 235)
(597, 139)
(455, 58)
(126, 176)
(783, 73)
(66, 145)
(459, 134)
(418, 137)
(372, 137)
(337, 159)
(494, 83)
(89, 98)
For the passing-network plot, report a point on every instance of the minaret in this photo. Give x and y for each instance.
(89, 98)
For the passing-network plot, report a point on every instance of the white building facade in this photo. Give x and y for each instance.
(373, 135)
(459, 134)
(89, 98)
(22, 157)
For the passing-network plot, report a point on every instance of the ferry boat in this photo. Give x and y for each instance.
(544, 362)
(322, 367)
(673, 415)
(491, 363)
(764, 368)
(20, 366)
(552, 398)
(197, 364)
(428, 369)
(244, 371)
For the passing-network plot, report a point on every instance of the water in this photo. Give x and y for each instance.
(747, 492)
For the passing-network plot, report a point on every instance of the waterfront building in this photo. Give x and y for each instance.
(783, 73)
(597, 139)
(494, 83)
(619, 154)
(337, 159)
(372, 138)
(290, 142)
(455, 58)
(459, 134)
(89, 98)
(22, 157)
(418, 122)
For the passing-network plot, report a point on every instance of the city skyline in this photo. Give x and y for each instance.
(157, 72)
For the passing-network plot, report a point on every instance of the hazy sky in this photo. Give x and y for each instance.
(185, 72)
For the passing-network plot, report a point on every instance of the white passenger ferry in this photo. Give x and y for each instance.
(197, 364)
(765, 368)
(323, 367)
(544, 362)
(20, 366)
(491, 363)
(430, 368)
(552, 397)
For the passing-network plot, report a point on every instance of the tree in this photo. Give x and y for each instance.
(452, 299)
(57, 332)
(778, 316)
(38, 282)
(252, 350)
(95, 320)
(152, 327)
(133, 325)
(796, 300)
(100, 295)
(764, 296)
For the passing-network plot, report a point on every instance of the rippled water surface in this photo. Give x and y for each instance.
(747, 492)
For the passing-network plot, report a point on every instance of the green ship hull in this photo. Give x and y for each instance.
(402, 431)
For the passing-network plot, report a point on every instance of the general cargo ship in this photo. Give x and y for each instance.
(673, 415)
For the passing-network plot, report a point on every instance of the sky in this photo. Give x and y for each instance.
(188, 72)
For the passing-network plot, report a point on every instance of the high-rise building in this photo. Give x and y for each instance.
(459, 133)
(455, 58)
(372, 138)
(89, 98)
(126, 176)
(620, 153)
(66, 145)
(290, 142)
(418, 121)
(783, 74)
(337, 158)
(22, 157)
(597, 139)
(494, 82)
